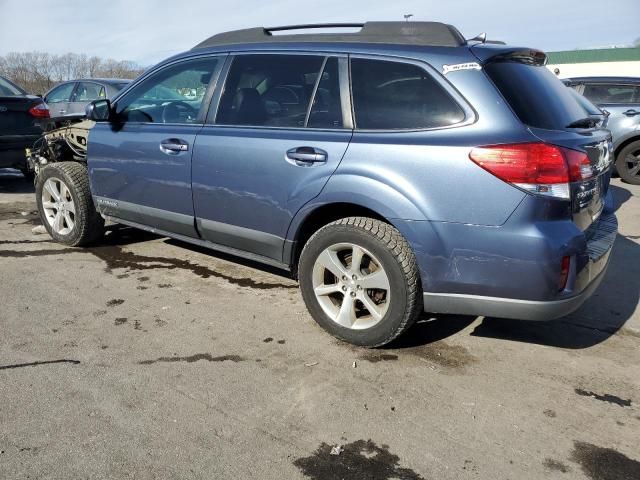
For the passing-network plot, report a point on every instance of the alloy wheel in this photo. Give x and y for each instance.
(351, 286)
(58, 206)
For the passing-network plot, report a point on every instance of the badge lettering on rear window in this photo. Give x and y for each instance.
(460, 66)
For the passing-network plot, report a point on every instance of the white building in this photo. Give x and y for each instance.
(604, 62)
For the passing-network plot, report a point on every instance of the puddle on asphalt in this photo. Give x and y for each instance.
(195, 358)
(359, 459)
(555, 466)
(604, 398)
(35, 364)
(604, 463)
(449, 357)
(115, 257)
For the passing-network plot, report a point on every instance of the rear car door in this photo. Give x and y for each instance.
(84, 93)
(279, 134)
(140, 161)
(58, 99)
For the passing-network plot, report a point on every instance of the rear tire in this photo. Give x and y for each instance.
(369, 303)
(628, 163)
(65, 204)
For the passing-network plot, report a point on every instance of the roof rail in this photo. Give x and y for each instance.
(399, 33)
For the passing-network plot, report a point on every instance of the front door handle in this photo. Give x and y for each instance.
(306, 156)
(173, 146)
(631, 112)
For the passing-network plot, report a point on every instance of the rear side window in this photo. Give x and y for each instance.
(269, 90)
(391, 95)
(601, 93)
(326, 111)
(535, 94)
(88, 91)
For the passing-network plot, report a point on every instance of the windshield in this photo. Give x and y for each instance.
(535, 94)
(8, 89)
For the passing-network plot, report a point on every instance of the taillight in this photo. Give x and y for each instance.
(564, 273)
(39, 111)
(536, 167)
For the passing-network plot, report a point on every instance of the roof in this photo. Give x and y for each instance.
(402, 33)
(594, 56)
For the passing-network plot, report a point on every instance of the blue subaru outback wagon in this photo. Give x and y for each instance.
(394, 169)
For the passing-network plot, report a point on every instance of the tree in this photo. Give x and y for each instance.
(37, 72)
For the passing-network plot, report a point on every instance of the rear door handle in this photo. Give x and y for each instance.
(173, 146)
(631, 112)
(306, 156)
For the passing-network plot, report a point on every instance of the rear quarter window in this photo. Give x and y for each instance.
(535, 94)
(389, 95)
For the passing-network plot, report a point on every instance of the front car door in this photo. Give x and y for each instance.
(140, 162)
(58, 99)
(279, 133)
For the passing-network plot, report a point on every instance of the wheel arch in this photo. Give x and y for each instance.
(635, 137)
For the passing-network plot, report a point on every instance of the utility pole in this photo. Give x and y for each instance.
(407, 16)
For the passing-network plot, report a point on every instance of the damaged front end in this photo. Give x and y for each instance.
(68, 142)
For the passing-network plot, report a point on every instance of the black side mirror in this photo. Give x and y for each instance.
(99, 110)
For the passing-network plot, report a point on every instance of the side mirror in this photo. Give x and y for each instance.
(99, 110)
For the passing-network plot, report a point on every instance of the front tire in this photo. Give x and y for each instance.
(65, 204)
(628, 163)
(359, 279)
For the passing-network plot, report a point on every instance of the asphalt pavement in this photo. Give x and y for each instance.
(146, 358)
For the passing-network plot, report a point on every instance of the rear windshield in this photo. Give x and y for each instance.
(9, 90)
(535, 94)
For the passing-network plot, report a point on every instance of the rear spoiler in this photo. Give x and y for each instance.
(488, 53)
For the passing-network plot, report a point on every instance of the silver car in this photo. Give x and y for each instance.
(620, 96)
(70, 98)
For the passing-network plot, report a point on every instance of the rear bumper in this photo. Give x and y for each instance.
(508, 307)
(598, 250)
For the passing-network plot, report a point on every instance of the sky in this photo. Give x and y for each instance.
(147, 31)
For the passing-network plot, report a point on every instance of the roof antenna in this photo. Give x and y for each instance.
(407, 16)
(482, 38)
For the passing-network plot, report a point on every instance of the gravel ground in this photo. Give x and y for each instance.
(145, 358)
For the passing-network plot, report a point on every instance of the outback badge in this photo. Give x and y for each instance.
(460, 66)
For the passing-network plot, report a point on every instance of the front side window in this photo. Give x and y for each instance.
(601, 93)
(269, 90)
(60, 94)
(390, 95)
(172, 95)
(88, 91)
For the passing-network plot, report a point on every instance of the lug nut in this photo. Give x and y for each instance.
(344, 288)
(344, 278)
(353, 277)
(359, 287)
(353, 294)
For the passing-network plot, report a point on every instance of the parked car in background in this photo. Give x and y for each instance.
(23, 119)
(620, 96)
(71, 98)
(396, 169)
